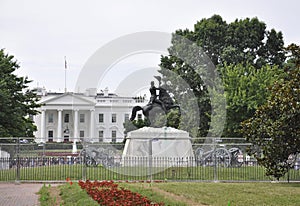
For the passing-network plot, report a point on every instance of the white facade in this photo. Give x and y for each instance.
(95, 117)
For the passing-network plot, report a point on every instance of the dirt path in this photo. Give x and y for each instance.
(55, 194)
(175, 197)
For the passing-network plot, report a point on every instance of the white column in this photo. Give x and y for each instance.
(76, 125)
(43, 126)
(92, 124)
(59, 126)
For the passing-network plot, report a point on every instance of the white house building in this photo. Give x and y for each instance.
(95, 117)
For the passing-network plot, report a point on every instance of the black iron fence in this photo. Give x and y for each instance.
(215, 160)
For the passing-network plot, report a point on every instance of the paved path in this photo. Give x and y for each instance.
(19, 194)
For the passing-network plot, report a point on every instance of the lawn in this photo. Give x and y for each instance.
(193, 193)
(64, 195)
(236, 193)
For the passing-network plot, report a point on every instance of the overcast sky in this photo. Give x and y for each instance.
(40, 33)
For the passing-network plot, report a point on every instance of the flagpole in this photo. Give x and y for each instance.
(65, 74)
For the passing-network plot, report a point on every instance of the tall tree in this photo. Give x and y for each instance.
(274, 131)
(188, 89)
(273, 51)
(246, 88)
(244, 40)
(242, 43)
(210, 34)
(17, 103)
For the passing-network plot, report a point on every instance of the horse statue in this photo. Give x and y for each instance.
(158, 105)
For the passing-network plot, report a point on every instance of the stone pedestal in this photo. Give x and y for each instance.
(158, 147)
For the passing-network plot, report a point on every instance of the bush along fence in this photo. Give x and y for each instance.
(23, 161)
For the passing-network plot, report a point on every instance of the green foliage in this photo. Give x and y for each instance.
(246, 88)
(243, 45)
(173, 119)
(134, 125)
(244, 40)
(45, 198)
(210, 34)
(274, 130)
(73, 195)
(293, 57)
(17, 102)
(186, 86)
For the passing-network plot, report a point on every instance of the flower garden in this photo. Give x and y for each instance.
(93, 193)
(108, 193)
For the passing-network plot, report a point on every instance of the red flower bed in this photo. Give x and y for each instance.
(107, 193)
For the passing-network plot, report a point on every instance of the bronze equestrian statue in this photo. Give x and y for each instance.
(160, 102)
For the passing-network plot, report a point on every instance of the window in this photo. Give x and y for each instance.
(50, 136)
(50, 118)
(101, 135)
(81, 118)
(50, 133)
(81, 133)
(66, 118)
(126, 117)
(101, 118)
(113, 118)
(113, 136)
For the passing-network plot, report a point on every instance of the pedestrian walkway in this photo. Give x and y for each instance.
(19, 194)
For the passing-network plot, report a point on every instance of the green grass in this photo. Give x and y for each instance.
(45, 198)
(73, 195)
(214, 194)
(143, 189)
(236, 193)
(44, 195)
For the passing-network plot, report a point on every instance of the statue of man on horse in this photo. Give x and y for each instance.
(160, 103)
(155, 96)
